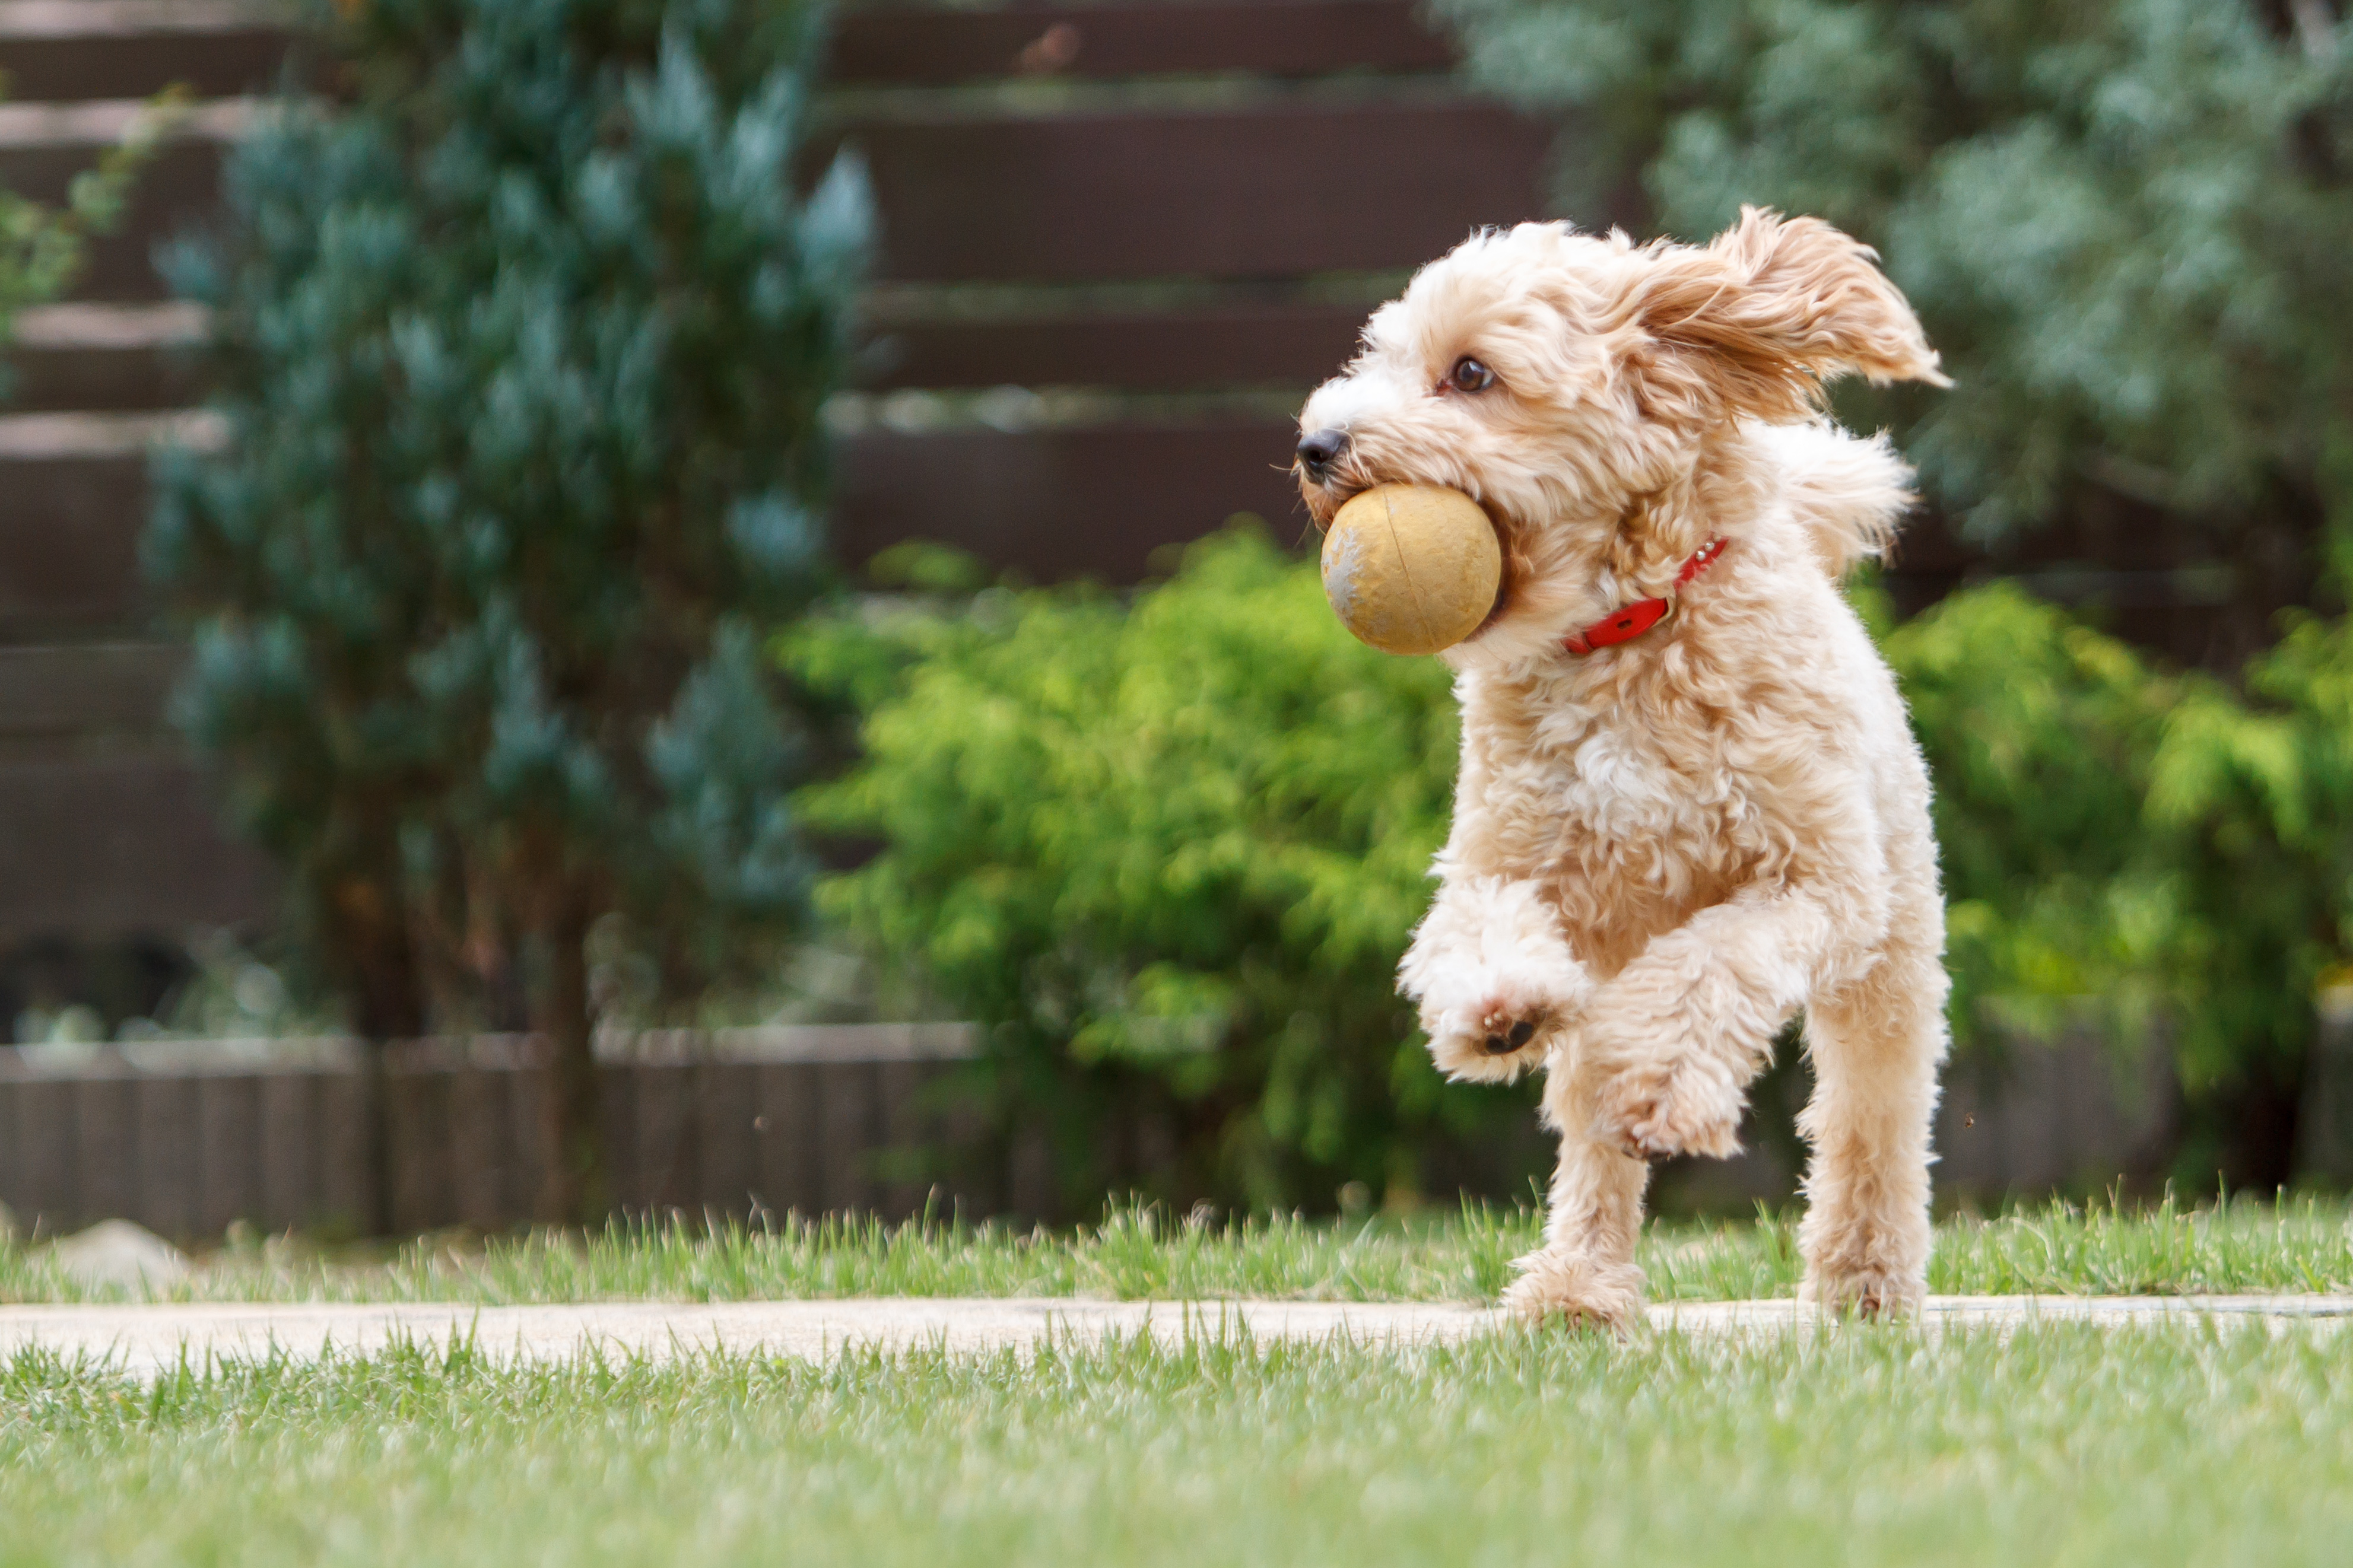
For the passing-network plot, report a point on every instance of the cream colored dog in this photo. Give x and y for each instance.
(1689, 803)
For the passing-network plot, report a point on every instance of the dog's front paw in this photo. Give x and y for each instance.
(1495, 982)
(1504, 1029)
(1581, 1292)
(1655, 1109)
(1865, 1292)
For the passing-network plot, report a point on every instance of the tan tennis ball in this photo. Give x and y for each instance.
(1411, 569)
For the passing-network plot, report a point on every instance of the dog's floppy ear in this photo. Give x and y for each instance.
(1760, 318)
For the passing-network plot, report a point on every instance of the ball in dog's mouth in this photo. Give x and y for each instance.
(1412, 569)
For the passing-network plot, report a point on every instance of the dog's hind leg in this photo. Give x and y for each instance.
(1875, 1046)
(1584, 1271)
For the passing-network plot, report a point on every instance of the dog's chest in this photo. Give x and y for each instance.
(1637, 822)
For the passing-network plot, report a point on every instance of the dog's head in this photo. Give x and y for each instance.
(1583, 390)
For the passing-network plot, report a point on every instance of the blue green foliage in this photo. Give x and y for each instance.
(523, 350)
(2122, 220)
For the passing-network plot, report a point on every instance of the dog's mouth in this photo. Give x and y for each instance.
(1327, 493)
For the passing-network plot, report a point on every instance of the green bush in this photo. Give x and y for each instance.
(1181, 843)
(2041, 735)
(1177, 847)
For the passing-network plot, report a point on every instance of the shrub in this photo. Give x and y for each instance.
(2041, 735)
(1183, 843)
(522, 351)
(1178, 846)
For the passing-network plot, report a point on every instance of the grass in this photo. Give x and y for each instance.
(2106, 1248)
(1859, 1444)
(2060, 1444)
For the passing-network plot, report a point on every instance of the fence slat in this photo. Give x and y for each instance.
(1229, 195)
(104, 845)
(848, 1127)
(791, 1170)
(930, 46)
(480, 1147)
(527, 1113)
(340, 1151)
(11, 1161)
(170, 1166)
(418, 1100)
(1227, 345)
(1063, 503)
(45, 1128)
(664, 1114)
(903, 1159)
(228, 1110)
(288, 1146)
(617, 1123)
(727, 1149)
(106, 1150)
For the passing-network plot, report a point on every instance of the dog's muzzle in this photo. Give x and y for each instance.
(1319, 451)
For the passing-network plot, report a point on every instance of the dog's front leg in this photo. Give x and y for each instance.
(1674, 1038)
(1494, 978)
(1585, 1272)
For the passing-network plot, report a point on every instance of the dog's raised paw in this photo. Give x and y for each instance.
(1504, 1038)
(1658, 1113)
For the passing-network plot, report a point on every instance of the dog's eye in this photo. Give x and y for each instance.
(1470, 375)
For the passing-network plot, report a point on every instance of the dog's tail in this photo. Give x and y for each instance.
(1848, 493)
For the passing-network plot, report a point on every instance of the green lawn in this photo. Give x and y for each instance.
(2055, 1444)
(2302, 1244)
(1864, 1443)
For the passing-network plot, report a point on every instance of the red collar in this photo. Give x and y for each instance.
(1630, 621)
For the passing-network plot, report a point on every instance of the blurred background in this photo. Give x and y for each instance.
(614, 606)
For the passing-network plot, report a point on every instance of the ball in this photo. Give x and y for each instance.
(1411, 569)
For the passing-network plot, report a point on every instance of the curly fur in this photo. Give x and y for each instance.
(1664, 851)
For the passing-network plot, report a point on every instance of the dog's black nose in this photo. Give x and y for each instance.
(1317, 451)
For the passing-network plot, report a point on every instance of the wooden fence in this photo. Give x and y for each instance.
(186, 1138)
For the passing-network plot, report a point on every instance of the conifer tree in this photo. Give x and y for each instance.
(523, 346)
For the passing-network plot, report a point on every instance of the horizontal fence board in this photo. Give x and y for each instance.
(1275, 191)
(106, 1172)
(109, 688)
(931, 47)
(1227, 345)
(96, 68)
(176, 193)
(103, 846)
(1093, 502)
(105, 377)
(112, 51)
(1279, 190)
(69, 544)
(62, 50)
(188, 1153)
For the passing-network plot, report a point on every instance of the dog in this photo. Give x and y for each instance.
(1690, 805)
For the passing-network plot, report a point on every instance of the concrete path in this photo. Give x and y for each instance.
(142, 1339)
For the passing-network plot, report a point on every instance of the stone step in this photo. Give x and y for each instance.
(63, 50)
(104, 358)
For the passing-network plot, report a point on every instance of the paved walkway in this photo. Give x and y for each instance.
(142, 1339)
